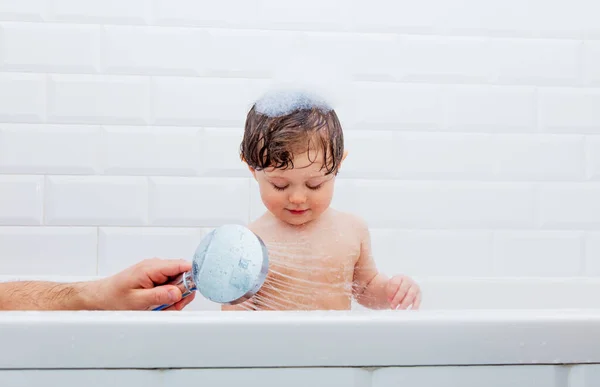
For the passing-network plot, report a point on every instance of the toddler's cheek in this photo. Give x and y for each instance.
(273, 204)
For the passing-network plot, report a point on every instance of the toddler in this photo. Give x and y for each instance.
(320, 258)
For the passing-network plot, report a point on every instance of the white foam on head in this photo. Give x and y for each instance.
(306, 78)
(279, 103)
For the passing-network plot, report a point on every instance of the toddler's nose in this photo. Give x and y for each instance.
(297, 198)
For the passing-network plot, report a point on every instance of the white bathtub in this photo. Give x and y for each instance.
(467, 348)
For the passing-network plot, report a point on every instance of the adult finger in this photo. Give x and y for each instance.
(160, 271)
(181, 304)
(160, 295)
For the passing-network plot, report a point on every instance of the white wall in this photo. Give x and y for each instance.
(120, 124)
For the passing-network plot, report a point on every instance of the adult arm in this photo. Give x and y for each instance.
(139, 287)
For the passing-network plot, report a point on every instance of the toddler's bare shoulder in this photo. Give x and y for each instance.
(349, 219)
(259, 228)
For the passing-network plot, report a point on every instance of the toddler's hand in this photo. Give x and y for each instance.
(402, 292)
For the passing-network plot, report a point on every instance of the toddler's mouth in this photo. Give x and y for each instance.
(297, 212)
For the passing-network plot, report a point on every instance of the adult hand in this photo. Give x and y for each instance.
(141, 287)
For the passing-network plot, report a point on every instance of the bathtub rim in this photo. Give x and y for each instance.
(298, 339)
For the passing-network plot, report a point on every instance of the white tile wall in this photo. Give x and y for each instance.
(21, 200)
(472, 130)
(48, 251)
(54, 47)
(22, 97)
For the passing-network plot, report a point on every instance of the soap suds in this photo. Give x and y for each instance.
(278, 103)
(306, 77)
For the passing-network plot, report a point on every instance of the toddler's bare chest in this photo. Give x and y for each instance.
(317, 260)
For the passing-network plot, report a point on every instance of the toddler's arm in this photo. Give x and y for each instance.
(369, 285)
(376, 291)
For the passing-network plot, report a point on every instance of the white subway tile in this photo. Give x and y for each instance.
(238, 13)
(257, 207)
(540, 61)
(538, 253)
(374, 57)
(366, 163)
(207, 102)
(154, 50)
(397, 106)
(591, 62)
(399, 16)
(490, 376)
(539, 157)
(232, 53)
(444, 156)
(421, 155)
(317, 15)
(220, 153)
(443, 253)
(122, 247)
(96, 200)
(198, 202)
(22, 97)
(151, 151)
(107, 11)
(490, 109)
(63, 251)
(21, 200)
(442, 59)
(592, 154)
(576, 19)
(324, 57)
(510, 293)
(51, 47)
(592, 253)
(98, 99)
(566, 110)
(536, 18)
(24, 10)
(51, 149)
(569, 205)
(431, 204)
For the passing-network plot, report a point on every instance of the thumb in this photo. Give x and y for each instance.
(166, 294)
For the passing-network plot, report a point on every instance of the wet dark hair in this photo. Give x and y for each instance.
(272, 141)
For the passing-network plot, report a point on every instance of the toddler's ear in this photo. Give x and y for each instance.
(343, 157)
(252, 171)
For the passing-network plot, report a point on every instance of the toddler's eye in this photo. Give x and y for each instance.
(279, 188)
(316, 187)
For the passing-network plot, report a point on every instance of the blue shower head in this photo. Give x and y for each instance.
(229, 266)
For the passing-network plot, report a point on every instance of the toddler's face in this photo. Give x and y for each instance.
(297, 195)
